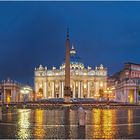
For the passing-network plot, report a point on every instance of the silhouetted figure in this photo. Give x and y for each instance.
(81, 132)
(81, 116)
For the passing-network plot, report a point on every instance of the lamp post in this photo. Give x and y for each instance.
(25, 92)
(108, 91)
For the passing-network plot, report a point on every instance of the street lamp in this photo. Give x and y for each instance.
(25, 92)
(108, 91)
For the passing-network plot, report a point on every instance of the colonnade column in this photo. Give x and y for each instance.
(126, 94)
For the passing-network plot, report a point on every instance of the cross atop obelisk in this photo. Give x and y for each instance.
(67, 90)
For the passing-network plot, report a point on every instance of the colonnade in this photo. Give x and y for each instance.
(10, 95)
(55, 89)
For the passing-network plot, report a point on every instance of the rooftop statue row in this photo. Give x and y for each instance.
(41, 68)
(75, 63)
(81, 72)
(9, 81)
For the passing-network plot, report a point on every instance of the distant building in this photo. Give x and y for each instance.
(127, 83)
(85, 82)
(9, 91)
(12, 92)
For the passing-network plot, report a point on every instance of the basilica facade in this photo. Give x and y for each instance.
(85, 82)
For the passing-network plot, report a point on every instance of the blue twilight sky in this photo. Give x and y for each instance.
(33, 33)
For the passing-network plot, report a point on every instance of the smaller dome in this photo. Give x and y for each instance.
(72, 51)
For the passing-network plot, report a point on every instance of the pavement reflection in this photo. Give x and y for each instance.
(23, 121)
(63, 124)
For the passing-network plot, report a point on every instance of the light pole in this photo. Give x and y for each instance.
(25, 92)
(108, 91)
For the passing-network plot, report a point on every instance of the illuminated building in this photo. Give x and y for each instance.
(127, 83)
(85, 82)
(11, 92)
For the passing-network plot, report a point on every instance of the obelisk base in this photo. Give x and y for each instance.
(67, 94)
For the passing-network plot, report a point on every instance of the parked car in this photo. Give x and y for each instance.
(74, 100)
(56, 100)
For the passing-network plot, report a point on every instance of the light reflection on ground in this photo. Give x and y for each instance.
(62, 124)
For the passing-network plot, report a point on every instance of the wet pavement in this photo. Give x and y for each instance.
(63, 124)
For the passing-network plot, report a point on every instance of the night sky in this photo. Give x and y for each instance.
(33, 33)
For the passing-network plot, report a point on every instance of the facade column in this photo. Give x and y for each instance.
(126, 94)
(74, 90)
(36, 87)
(62, 89)
(88, 88)
(44, 89)
(54, 91)
(81, 88)
(52, 85)
(36, 91)
(135, 95)
(105, 84)
(60, 94)
(79, 92)
(96, 88)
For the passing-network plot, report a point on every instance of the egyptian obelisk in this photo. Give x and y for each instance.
(67, 89)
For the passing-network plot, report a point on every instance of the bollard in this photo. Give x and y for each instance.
(81, 116)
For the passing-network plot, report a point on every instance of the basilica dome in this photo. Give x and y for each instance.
(75, 60)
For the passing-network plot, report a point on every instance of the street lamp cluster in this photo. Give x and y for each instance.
(109, 94)
(26, 93)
